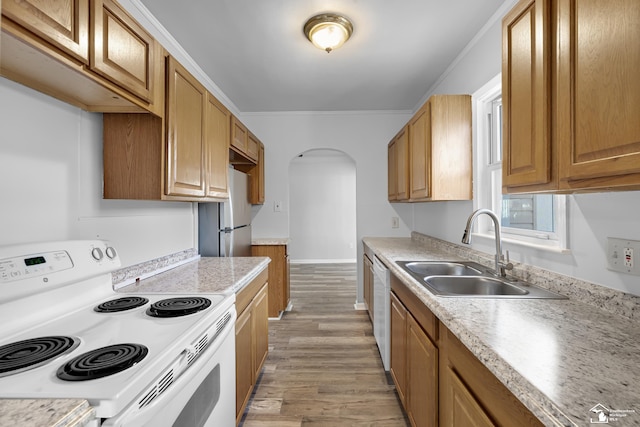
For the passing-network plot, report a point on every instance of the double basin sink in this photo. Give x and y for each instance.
(470, 279)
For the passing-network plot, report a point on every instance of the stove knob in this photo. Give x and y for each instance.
(96, 253)
(111, 253)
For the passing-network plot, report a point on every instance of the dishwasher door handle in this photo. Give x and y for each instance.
(379, 268)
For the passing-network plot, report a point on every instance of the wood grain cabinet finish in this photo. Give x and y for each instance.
(570, 96)
(438, 380)
(367, 279)
(470, 395)
(414, 366)
(525, 95)
(398, 172)
(64, 24)
(121, 50)
(279, 282)
(256, 174)
(89, 53)
(217, 122)
(183, 157)
(252, 338)
(430, 159)
(186, 118)
(243, 143)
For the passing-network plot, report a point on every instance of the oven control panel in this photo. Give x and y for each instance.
(22, 267)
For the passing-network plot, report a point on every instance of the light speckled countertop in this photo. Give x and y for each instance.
(559, 357)
(204, 275)
(45, 412)
(270, 241)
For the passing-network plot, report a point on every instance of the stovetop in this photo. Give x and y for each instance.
(67, 308)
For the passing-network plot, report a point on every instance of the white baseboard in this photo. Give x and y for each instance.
(322, 261)
(359, 306)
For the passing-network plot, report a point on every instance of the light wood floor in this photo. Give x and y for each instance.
(323, 367)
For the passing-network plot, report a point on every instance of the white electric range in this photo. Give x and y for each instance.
(143, 359)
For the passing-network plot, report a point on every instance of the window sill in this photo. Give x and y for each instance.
(526, 244)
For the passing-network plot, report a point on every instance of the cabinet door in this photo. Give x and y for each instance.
(402, 165)
(260, 330)
(256, 173)
(420, 153)
(186, 104)
(422, 381)
(253, 146)
(366, 284)
(64, 24)
(122, 51)
(278, 295)
(598, 104)
(525, 95)
(398, 347)
(244, 361)
(239, 135)
(392, 172)
(462, 410)
(217, 144)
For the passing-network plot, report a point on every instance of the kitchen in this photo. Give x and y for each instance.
(45, 141)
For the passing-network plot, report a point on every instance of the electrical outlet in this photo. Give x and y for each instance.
(622, 254)
(395, 222)
(628, 257)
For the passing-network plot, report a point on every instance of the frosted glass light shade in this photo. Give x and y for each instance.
(328, 31)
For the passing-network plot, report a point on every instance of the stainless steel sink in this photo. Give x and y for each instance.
(438, 268)
(472, 285)
(471, 280)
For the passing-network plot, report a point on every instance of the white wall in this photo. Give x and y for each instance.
(592, 217)
(363, 136)
(51, 183)
(322, 207)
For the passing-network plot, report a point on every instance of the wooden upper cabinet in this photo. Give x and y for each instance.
(186, 118)
(392, 172)
(88, 53)
(525, 95)
(420, 152)
(239, 135)
(122, 51)
(217, 121)
(440, 165)
(598, 94)
(256, 190)
(570, 96)
(64, 24)
(245, 146)
(253, 146)
(398, 161)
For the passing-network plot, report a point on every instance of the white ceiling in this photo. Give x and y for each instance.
(256, 53)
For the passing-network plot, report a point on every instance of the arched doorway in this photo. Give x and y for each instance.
(322, 204)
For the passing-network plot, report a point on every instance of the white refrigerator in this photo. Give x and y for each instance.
(224, 229)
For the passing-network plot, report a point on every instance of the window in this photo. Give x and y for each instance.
(531, 219)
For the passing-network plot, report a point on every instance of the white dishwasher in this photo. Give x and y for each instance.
(382, 310)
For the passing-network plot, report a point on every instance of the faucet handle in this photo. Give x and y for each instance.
(508, 265)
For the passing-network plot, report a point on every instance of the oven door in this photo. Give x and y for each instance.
(204, 395)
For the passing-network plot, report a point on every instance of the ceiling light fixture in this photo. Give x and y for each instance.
(328, 31)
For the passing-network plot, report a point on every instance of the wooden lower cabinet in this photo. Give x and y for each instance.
(278, 276)
(252, 338)
(470, 395)
(414, 366)
(367, 280)
(422, 380)
(438, 380)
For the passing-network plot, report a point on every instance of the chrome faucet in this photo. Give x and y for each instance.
(500, 265)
